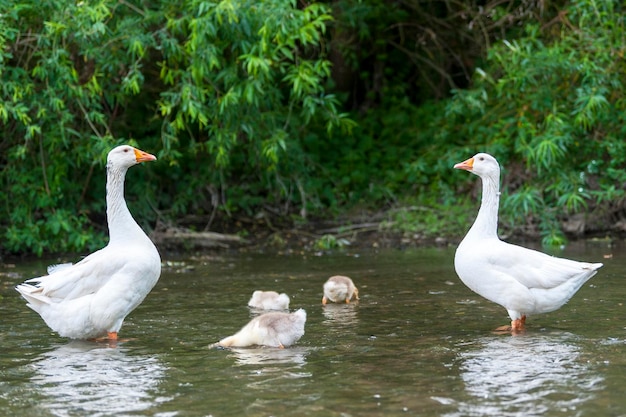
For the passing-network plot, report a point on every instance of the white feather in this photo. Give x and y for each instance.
(92, 297)
(339, 289)
(269, 300)
(522, 280)
(275, 329)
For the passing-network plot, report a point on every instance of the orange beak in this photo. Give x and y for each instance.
(467, 165)
(142, 156)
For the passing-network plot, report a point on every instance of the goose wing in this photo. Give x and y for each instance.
(536, 270)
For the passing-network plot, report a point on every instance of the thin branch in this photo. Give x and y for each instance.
(93, 127)
(43, 167)
(132, 7)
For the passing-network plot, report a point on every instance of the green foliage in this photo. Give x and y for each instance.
(52, 124)
(225, 89)
(246, 80)
(431, 221)
(296, 108)
(328, 242)
(550, 106)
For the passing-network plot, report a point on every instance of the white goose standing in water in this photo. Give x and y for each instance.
(523, 281)
(91, 298)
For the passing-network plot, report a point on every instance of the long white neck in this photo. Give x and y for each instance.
(122, 226)
(486, 223)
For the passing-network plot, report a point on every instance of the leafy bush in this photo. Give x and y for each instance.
(54, 124)
(225, 90)
(550, 105)
(298, 108)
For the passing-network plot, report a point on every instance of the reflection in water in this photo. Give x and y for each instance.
(275, 376)
(270, 356)
(525, 375)
(340, 315)
(84, 378)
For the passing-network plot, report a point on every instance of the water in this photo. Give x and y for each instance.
(418, 343)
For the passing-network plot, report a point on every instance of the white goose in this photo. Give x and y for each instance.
(91, 298)
(275, 329)
(523, 281)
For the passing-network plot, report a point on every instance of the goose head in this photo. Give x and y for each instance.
(481, 164)
(125, 156)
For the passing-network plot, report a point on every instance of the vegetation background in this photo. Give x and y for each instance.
(288, 112)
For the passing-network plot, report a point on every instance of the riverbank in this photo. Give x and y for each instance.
(364, 230)
(357, 230)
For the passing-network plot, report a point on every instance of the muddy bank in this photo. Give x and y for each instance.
(370, 230)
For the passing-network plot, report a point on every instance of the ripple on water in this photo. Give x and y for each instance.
(525, 375)
(85, 378)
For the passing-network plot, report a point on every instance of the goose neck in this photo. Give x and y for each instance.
(121, 223)
(486, 224)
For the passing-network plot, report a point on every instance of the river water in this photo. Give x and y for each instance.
(418, 343)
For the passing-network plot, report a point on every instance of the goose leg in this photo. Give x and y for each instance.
(518, 325)
(324, 300)
(111, 339)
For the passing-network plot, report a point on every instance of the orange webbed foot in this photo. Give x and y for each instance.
(506, 329)
(110, 337)
(516, 327)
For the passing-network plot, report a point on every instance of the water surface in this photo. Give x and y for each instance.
(417, 343)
